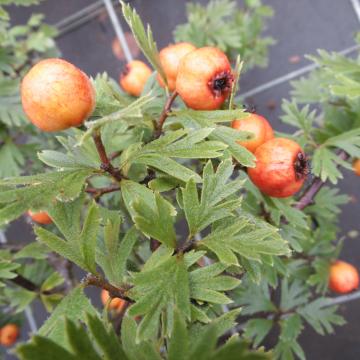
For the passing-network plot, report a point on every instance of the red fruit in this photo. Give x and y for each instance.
(257, 125)
(170, 57)
(204, 78)
(343, 278)
(40, 217)
(9, 334)
(281, 168)
(56, 95)
(134, 76)
(115, 304)
(356, 167)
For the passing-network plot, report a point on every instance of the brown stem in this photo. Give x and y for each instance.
(164, 114)
(309, 195)
(114, 292)
(29, 285)
(150, 176)
(105, 162)
(101, 191)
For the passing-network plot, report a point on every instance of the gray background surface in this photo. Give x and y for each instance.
(300, 27)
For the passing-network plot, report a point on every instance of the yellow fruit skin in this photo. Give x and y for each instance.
(9, 334)
(40, 217)
(170, 58)
(343, 278)
(115, 304)
(274, 173)
(134, 77)
(356, 167)
(257, 125)
(196, 74)
(56, 95)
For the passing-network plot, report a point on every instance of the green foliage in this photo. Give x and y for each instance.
(235, 31)
(171, 223)
(144, 38)
(97, 341)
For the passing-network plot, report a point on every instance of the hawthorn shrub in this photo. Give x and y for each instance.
(152, 200)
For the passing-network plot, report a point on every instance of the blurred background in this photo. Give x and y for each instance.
(87, 38)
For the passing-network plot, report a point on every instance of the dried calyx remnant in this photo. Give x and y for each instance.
(125, 70)
(221, 83)
(301, 166)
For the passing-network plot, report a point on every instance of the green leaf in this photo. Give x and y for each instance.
(154, 294)
(302, 119)
(80, 243)
(348, 141)
(213, 204)
(157, 224)
(136, 350)
(113, 254)
(54, 280)
(233, 29)
(241, 238)
(80, 342)
(178, 144)
(224, 134)
(7, 269)
(133, 110)
(291, 327)
(96, 341)
(179, 341)
(257, 329)
(133, 192)
(73, 306)
(33, 250)
(325, 165)
(143, 38)
(38, 191)
(206, 284)
(41, 348)
(13, 157)
(105, 337)
(254, 299)
(293, 295)
(320, 316)
(20, 298)
(108, 96)
(88, 237)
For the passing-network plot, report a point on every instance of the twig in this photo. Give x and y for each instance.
(29, 285)
(114, 292)
(101, 191)
(164, 114)
(105, 162)
(308, 197)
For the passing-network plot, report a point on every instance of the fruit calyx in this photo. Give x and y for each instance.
(301, 166)
(125, 70)
(221, 83)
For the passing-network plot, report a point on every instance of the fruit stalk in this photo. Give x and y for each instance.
(165, 114)
(314, 188)
(97, 192)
